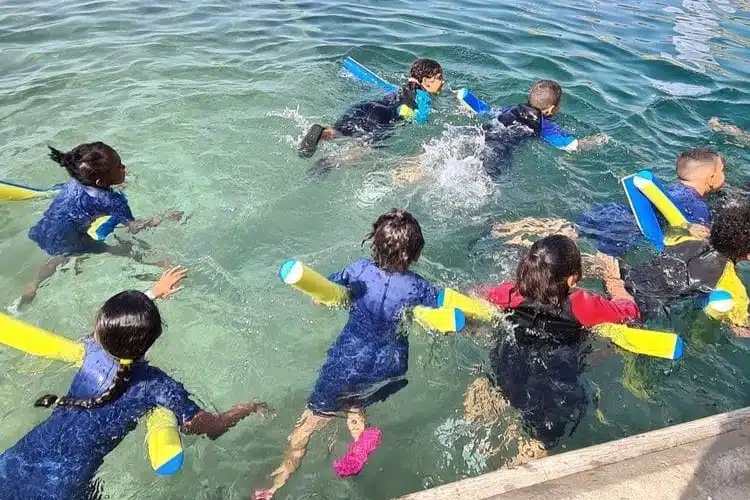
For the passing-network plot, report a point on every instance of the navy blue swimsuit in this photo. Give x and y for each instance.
(57, 460)
(63, 227)
(369, 358)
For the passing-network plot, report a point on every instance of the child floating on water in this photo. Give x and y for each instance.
(700, 172)
(368, 360)
(691, 270)
(612, 226)
(511, 126)
(372, 120)
(537, 368)
(64, 229)
(113, 389)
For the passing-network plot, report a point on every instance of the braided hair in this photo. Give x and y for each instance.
(397, 241)
(127, 325)
(86, 163)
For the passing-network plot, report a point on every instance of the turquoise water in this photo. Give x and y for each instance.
(205, 103)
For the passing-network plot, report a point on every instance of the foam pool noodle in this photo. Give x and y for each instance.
(162, 436)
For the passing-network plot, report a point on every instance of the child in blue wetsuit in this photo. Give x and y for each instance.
(369, 359)
(113, 389)
(612, 226)
(66, 227)
(372, 120)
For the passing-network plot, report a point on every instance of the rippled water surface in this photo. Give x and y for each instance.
(205, 103)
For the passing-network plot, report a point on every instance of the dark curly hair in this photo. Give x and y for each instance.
(127, 325)
(425, 68)
(85, 163)
(542, 276)
(730, 233)
(545, 93)
(397, 241)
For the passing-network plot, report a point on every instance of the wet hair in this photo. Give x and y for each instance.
(697, 162)
(542, 275)
(397, 241)
(730, 233)
(545, 93)
(86, 163)
(127, 325)
(425, 68)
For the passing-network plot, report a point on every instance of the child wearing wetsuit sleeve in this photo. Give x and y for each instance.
(372, 120)
(693, 269)
(537, 368)
(612, 226)
(114, 388)
(65, 229)
(369, 359)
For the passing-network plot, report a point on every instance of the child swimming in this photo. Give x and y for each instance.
(511, 126)
(537, 368)
(62, 232)
(700, 172)
(113, 389)
(372, 120)
(692, 269)
(369, 359)
(612, 227)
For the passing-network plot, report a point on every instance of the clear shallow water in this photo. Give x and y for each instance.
(205, 103)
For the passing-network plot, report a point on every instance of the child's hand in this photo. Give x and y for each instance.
(167, 284)
(593, 141)
(699, 231)
(609, 267)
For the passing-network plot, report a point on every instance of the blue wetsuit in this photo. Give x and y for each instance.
(369, 358)
(57, 460)
(62, 229)
(373, 120)
(614, 231)
(510, 127)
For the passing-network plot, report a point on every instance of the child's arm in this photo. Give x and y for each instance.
(557, 137)
(214, 425)
(153, 221)
(610, 272)
(717, 126)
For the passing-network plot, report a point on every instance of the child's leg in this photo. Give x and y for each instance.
(483, 403)
(356, 422)
(306, 426)
(45, 272)
(540, 227)
(411, 170)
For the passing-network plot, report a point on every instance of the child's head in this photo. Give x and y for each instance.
(94, 164)
(397, 241)
(702, 168)
(127, 325)
(428, 74)
(546, 96)
(730, 233)
(546, 274)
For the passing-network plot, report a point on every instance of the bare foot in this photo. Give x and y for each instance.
(261, 495)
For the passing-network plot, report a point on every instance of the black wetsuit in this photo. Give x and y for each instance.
(506, 133)
(373, 120)
(538, 368)
(689, 270)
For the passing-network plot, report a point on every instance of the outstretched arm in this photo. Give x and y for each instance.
(215, 425)
(153, 221)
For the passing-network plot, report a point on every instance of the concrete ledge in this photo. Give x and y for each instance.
(706, 458)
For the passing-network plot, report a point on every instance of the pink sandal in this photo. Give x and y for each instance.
(359, 451)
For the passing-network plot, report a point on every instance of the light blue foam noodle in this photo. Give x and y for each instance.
(471, 101)
(644, 213)
(363, 74)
